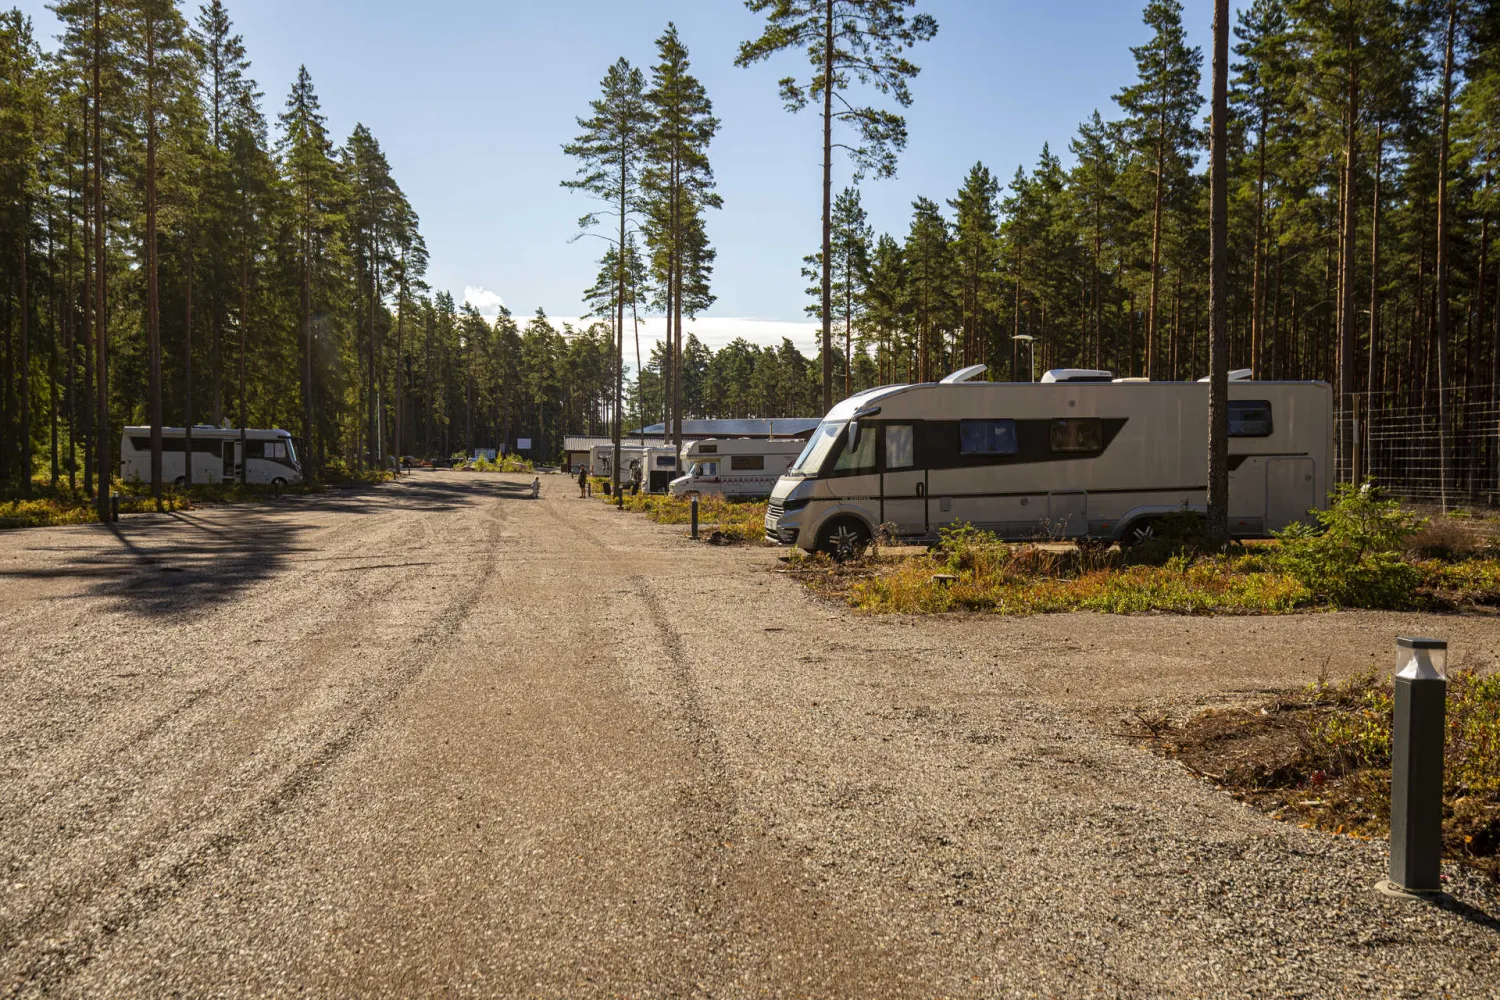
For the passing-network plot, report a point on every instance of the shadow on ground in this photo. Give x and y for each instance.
(188, 561)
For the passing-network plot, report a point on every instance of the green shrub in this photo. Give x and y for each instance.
(1355, 555)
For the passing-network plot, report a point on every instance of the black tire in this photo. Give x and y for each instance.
(1140, 532)
(180, 481)
(844, 538)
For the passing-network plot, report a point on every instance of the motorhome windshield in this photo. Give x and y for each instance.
(703, 469)
(819, 446)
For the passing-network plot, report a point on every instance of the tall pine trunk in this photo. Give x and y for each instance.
(1218, 289)
(153, 305)
(187, 368)
(101, 318)
(1161, 155)
(1441, 331)
(828, 75)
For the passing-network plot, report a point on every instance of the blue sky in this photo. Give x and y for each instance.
(473, 99)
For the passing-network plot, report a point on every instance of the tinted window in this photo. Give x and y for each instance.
(747, 462)
(1249, 418)
(666, 462)
(861, 459)
(255, 449)
(1083, 434)
(987, 437)
(900, 446)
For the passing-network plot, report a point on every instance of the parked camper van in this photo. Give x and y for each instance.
(658, 463)
(736, 468)
(1086, 458)
(270, 456)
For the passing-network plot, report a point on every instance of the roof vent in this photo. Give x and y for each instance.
(1238, 375)
(965, 375)
(1078, 375)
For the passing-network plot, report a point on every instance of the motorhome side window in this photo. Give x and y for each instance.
(747, 463)
(900, 446)
(987, 437)
(1249, 418)
(1083, 434)
(861, 458)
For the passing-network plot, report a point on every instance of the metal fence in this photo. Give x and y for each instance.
(1399, 440)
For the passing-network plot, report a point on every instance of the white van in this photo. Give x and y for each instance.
(1063, 459)
(270, 457)
(735, 468)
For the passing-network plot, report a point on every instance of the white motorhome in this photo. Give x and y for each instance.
(269, 455)
(735, 468)
(657, 462)
(1066, 459)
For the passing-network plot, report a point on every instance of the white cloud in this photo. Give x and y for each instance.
(487, 302)
(715, 331)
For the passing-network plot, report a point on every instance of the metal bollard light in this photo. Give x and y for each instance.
(1417, 769)
(114, 506)
(694, 506)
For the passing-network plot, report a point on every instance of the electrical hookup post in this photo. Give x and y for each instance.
(1419, 730)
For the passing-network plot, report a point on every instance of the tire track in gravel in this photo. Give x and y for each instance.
(89, 770)
(61, 946)
(708, 802)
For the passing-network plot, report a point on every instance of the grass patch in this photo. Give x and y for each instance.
(1366, 552)
(720, 521)
(1321, 757)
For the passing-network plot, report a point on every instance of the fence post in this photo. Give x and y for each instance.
(694, 506)
(1421, 684)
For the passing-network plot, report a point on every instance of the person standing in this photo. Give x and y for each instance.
(583, 480)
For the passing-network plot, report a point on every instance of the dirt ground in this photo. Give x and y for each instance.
(436, 739)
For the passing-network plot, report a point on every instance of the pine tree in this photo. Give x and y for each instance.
(313, 188)
(1162, 109)
(976, 249)
(846, 41)
(680, 182)
(611, 152)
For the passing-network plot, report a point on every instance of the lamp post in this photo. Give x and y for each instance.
(1031, 348)
(1421, 685)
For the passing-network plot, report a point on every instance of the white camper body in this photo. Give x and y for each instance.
(1086, 459)
(735, 468)
(657, 462)
(269, 455)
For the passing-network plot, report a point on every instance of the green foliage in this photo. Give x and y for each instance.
(1355, 556)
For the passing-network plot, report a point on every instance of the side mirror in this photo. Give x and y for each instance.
(853, 436)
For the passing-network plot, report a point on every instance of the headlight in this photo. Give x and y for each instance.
(789, 505)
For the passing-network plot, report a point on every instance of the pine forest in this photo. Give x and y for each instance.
(178, 248)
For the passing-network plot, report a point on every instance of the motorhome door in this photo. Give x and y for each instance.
(903, 479)
(231, 470)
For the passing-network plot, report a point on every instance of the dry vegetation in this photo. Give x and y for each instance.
(720, 521)
(1322, 756)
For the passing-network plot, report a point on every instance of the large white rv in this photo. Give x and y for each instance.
(735, 468)
(269, 455)
(1067, 459)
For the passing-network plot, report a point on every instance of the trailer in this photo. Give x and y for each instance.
(656, 463)
(735, 468)
(220, 455)
(1085, 458)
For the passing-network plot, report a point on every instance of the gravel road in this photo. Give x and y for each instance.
(436, 739)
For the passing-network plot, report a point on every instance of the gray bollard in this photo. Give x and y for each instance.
(694, 506)
(1417, 769)
(114, 506)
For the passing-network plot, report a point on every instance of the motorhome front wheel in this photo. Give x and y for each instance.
(844, 538)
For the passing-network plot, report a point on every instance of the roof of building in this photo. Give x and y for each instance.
(778, 427)
(575, 442)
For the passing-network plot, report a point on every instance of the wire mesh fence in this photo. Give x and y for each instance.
(1438, 448)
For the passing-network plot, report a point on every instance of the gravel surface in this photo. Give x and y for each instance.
(435, 739)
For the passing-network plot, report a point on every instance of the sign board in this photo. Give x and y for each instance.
(523, 444)
(489, 453)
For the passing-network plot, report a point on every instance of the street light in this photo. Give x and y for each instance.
(1031, 346)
